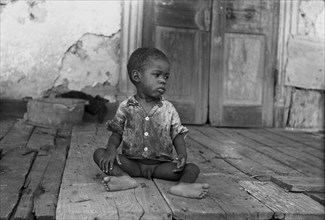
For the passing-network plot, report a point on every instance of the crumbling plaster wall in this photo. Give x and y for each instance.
(304, 77)
(52, 45)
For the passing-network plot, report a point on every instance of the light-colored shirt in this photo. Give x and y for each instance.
(147, 135)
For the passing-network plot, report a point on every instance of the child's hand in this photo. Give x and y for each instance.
(107, 161)
(181, 161)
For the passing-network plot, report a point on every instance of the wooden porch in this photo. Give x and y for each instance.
(253, 174)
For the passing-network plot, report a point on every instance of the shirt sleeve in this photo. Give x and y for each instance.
(176, 125)
(117, 123)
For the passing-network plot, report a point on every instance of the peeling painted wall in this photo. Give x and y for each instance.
(59, 44)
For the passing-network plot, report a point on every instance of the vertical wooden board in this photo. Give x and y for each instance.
(127, 205)
(244, 62)
(35, 188)
(32, 187)
(85, 201)
(82, 196)
(187, 208)
(46, 202)
(176, 27)
(285, 205)
(299, 184)
(185, 68)
(82, 180)
(14, 168)
(42, 137)
(17, 136)
(150, 199)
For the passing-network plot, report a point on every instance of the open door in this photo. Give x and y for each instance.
(181, 28)
(243, 47)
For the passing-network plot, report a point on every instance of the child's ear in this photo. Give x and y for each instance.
(135, 75)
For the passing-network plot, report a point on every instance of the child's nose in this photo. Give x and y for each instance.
(162, 81)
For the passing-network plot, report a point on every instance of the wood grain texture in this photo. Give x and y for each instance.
(244, 158)
(6, 124)
(82, 195)
(226, 200)
(46, 202)
(17, 137)
(289, 158)
(285, 205)
(14, 169)
(300, 184)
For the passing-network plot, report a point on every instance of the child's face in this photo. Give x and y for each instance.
(153, 78)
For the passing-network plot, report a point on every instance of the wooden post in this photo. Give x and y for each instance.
(131, 26)
(287, 27)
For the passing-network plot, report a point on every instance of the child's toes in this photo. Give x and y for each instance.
(205, 186)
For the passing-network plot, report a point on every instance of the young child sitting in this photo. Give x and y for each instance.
(148, 127)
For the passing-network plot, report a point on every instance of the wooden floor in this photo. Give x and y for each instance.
(253, 173)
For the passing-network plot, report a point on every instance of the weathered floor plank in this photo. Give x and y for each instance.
(6, 124)
(307, 138)
(14, 167)
(17, 137)
(45, 203)
(301, 168)
(284, 204)
(229, 159)
(288, 147)
(83, 192)
(300, 184)
(251, 161)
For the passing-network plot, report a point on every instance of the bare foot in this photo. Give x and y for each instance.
(118, 183)
(190, 190)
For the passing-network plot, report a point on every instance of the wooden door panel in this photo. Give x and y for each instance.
(178, 28)
(243, 41)
(243, 69)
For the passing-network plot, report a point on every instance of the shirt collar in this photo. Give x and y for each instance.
(133, 102)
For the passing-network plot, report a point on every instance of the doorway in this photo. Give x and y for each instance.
(223, 58)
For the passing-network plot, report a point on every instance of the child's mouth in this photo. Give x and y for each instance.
(161, 90)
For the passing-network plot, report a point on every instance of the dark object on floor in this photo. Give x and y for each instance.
(96, 104)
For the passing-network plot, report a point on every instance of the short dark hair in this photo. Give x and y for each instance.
(141, 56)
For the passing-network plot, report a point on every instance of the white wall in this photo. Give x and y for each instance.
(45, 43)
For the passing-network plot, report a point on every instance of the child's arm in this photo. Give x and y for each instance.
(180, 147)
(107, 161)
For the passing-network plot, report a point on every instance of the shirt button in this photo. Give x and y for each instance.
(145, 149)
(146, 118)
(146, 134)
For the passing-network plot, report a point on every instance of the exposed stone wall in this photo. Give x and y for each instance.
(48, 45)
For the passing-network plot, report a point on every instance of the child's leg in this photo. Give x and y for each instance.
(119, 178)
(186, 186)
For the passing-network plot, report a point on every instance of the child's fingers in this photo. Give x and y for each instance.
(105, 165)
(111, 164)
(118, 160)
(181, 163)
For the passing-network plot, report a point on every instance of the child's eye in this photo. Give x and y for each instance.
(166, 77)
